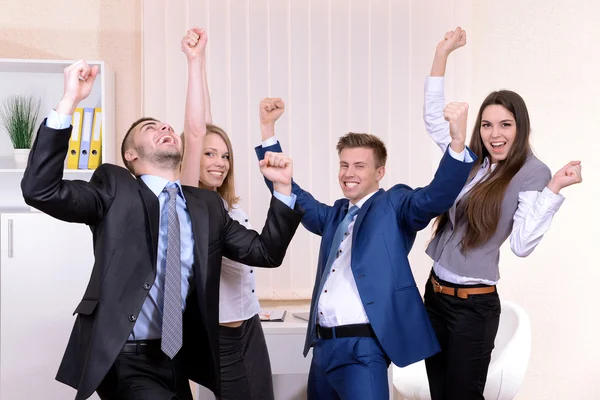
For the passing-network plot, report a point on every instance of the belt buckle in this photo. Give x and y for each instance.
(437, 288)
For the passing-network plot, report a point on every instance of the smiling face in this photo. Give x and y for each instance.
(498, 131)
(152, 144)
(214, 165)
(359, 174)
(502, 129)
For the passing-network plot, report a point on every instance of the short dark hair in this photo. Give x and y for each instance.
(128, 141)
(354, 140)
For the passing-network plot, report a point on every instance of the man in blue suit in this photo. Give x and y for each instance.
(366, 309)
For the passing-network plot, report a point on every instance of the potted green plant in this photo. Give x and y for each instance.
(19, 114)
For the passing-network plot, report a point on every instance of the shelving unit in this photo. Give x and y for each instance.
(45, 78)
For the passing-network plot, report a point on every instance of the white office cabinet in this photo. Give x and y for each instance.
(45, 265)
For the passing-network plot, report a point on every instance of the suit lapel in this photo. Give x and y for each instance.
(341, 213)
(153, 217)
(361, 214)
(199, 216)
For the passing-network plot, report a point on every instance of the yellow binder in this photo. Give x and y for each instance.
(75, 141)
(96, 142)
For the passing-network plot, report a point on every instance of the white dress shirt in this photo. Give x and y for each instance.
(339, 302)
(237, 299)
(535, 210)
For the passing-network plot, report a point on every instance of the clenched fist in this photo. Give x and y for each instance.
(456, 114)
(270, 109)
(278, 168)
(193, 44)
(568, 175)
(452, 41)
(79, 80)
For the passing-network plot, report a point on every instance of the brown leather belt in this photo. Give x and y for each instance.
(462, 293)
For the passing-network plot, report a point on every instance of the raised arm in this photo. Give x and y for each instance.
(207, 108)
(452, 40)
(43, 186)
(270, 109)
(537, 207)
(435, 124)
(193, 45)
(418, 207)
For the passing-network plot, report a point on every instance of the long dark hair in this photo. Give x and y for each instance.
(482, 204)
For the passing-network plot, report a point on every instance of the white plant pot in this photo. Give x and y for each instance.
(20, 156)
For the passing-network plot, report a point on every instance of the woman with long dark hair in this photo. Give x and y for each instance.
(510, 193)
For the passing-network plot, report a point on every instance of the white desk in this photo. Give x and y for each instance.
(285, 342)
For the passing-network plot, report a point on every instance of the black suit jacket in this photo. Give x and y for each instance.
(123, 215)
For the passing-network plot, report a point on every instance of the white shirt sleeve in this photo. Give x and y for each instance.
(463, 156)
(532, 219)
(269, 142)
(58, 121)
(433, 112)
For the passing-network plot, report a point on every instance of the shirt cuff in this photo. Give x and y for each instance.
(289, 201)
(58, 121)
(434, 84)
(269, 142)
(550, 201)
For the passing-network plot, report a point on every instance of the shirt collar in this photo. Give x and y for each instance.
(363, 200)
(486, 164)
(157, 184)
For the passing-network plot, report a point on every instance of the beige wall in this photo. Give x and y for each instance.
(339, 65)
(108, 30)
(547, 51)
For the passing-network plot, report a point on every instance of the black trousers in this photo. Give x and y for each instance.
(145, 373)
(245, 365)
(466, 329)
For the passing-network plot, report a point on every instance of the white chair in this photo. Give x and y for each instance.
(507, 367)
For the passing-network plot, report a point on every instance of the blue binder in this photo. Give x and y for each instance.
(86, 137)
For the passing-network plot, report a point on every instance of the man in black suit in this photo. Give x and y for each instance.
(148, 320)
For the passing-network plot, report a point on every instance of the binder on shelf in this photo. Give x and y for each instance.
(86, 137)
(95, 156)
(75, 141)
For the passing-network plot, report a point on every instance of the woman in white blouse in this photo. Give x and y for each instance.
(245, 364)
(510, 194)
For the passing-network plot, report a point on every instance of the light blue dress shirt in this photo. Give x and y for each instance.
(149, 321)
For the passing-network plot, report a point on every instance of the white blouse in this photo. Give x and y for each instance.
(237, 298)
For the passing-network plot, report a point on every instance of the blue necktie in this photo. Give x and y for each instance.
(340, 234)
(172, 336)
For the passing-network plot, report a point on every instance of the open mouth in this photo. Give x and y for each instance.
(166, 139)
(216, 174)
(350, 185)
(497, 147)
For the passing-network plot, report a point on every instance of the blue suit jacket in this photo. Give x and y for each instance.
(383, 235)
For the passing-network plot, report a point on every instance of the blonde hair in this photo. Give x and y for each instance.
(227, 189)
